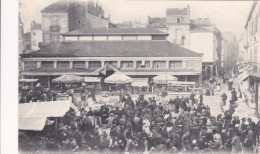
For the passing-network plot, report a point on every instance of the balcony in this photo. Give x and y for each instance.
(54, 28)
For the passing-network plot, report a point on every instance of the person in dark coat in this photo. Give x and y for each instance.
(177, 103)
(192, 98)
(183, 104)
(224, 97)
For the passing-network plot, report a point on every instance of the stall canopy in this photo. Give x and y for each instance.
(92, 79)
(139, 82)
(31, 123)
(33, 116)
(28, 80)
(44, 109)
(164, 79)
(118, 78)
(68, 79)
(181, 83)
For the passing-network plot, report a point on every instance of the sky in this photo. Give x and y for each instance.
(229, 16)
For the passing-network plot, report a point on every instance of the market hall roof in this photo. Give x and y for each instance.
(113, 49)
(115, 31)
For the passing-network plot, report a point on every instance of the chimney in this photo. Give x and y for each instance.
(188, 9)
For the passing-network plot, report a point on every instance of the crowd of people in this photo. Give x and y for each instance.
(37, 94)
(183, 124)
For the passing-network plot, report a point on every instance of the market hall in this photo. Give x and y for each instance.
(140, 53)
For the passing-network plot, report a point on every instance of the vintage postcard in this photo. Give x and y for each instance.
(105, 76)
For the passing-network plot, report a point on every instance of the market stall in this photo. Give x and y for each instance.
(68, 82)
(93, 83)
(139, 85)
(26, 83)
(33, 116)
(118, 79)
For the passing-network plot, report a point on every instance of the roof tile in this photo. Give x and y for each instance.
(114, 49)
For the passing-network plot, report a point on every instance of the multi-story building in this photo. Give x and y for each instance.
(198, 35)
(137, 52)
(20, 36)
(178, 24)
(36, 35)
(27, 42)
(252, 46)
(252, 36)
(64, 16)
(205, 38)
(230, 48)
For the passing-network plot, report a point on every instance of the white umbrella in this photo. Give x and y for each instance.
(164, 79)
(118, 78)
(68, 79)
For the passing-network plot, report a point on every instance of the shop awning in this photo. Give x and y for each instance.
(92, 79)
(44, 109)
(243, 76)
(28, 80)
(31, 123)
(139, 82)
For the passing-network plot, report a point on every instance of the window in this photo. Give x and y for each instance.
(47, 64)
(193, 65)
(127, 64)
(30, 65)
(55, 38)
(94, 64)
(178, 20)
(54, 21)
(79, 64)
(34, 33)
(46, 23)
(34, 42)
(46, 38)
(129, 37)
(251, 55)
(175, 64)
(27, 47)
(63, 64)
(159, 64)
(143, 64)
(113, 63)
(255, 55)
(178, 36)
(71, 38)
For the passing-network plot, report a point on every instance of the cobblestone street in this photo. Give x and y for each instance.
(243, 110)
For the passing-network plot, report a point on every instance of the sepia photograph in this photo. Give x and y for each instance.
(138, 76)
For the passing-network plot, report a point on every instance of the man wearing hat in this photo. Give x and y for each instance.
(254, 129)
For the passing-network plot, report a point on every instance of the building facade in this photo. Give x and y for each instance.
(198, 35)
(252, 37)
(27, 42)
(252, 47)
(36, 35)
(178, 24)
(20, 36)
(64, 16)
(205, 38)
(230, 47)
(137, 52)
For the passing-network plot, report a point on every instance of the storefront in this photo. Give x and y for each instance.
(254, 85)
